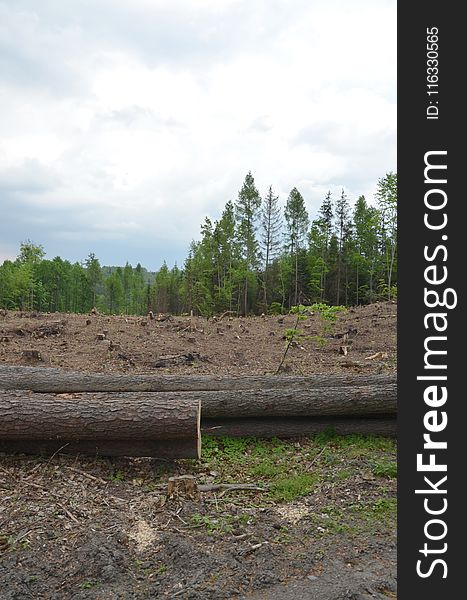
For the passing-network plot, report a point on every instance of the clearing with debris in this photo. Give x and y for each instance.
(308, 517)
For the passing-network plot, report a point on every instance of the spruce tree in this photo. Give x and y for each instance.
(297, 221)
(246, 212)
(271, 228)
(94, 274)
(342, 217)
(386, 196)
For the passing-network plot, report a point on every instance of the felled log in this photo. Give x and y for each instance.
(325, 401)
(170, 449)
(333, 401)
(44, 379)
(116, 424)
(292, 427)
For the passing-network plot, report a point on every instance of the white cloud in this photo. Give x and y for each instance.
(127, 121)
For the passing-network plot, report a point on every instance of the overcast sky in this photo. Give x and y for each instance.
(123, 123)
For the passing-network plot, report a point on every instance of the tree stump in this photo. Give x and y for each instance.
(183, 486)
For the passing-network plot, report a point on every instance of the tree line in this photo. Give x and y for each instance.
(257, 257)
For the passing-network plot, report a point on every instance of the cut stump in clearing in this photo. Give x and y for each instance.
(183, 486)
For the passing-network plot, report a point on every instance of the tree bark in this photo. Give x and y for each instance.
(112, 424)
(345, 400)
(292, 427)
(45, 379)
(164, 449)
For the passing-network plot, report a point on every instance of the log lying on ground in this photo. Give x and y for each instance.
(321, 401)
(326, 401)
(44, 379)
(292, 427)
(128, 423)
(170, 449)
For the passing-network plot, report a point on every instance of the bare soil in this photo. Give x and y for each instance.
(235, 346)
(91, 528)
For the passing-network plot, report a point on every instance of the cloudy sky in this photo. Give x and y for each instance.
(124, 122)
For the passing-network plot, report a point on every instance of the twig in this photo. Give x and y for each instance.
(242, 536)
(227, 312)
(66, 511)
(215, 487)
(179, 592)
(55, 453)
(75, 470)
(180, 518)
(254, 547)
(315, 458)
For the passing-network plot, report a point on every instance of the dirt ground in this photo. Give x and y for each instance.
(322, 526)
(236, 346)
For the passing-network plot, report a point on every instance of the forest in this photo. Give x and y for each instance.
(256, 258)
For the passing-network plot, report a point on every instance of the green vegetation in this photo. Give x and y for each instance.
(290, 471)
(255, 258)
(286, 489)
(385, 468)
(372, 516)
(118, 476)
(285, 466)
(87, 585)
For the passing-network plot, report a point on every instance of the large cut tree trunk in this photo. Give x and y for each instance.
(291, 427)
(325, 401)
(43, 379)
(160, 415)
(118, 423)
(163, 411)
(163, 449)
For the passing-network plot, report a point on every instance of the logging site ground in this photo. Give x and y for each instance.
(320, 523)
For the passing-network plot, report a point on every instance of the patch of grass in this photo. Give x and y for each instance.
(384, 507)
(331, 520)
(118, 476)
(221, 524)
(287, 489)
(87, 585)
(266, 468)
(283, 538)
(329, 457)
(324, 437)
(357, 518)
(344, 474)
(384, 468)
(231, 449)
(161, 569)
(212, 525)
(365, 442)
(318, 339)
(378, 513)
(285, 466)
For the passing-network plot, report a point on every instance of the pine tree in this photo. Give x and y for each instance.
(127, 281)
(325, 223)
(271, 228)
(297, 221)
(94, 274)
(246, 213)
(342, 212)
(366, 223)
(226, 257)
(386, 196)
